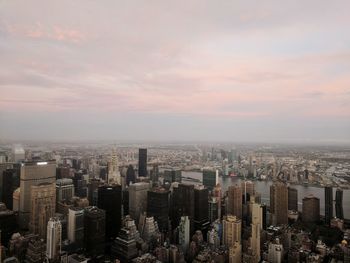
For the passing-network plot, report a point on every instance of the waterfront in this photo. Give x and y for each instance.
(263, 187)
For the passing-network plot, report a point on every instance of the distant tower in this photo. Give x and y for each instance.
(184, 233)
(209, 178)
(113, 170)
(43, 199)
(142, 162)
(234, 201)
(328, 190)
(339, 204)
(53, 241)
(279, 203)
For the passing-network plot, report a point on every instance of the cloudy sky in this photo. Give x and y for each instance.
(175, 70)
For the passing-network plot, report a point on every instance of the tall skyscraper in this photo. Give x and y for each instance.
(279, 203)
(113, 176)
(64, 189)
(292, 199)
(173, 175)
(94, 230)
(43, 207)
(234, 201)
(256, 228)
(110, 200)
(138, 199)
(328, 208)
(158, 207)
(142, 162)
(201, 211)
(209, 178)
(32, 174)
(213, 209)
(339, 204)
(248, 190)
(76, 226)
(54, 239)
(311, 209)
(232, 228)
(183, 204)
(184, 233)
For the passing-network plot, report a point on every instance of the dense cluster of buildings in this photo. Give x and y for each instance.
(60, 208)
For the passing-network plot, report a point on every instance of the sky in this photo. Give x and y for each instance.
(240, 71)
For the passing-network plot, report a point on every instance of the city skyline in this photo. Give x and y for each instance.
(171, 71)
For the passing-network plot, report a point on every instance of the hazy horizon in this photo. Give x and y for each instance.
(227, 71)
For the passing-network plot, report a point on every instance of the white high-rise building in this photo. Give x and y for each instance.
(18, 153)
(53, 240)
(113, 170)
(184, 233)
(275, 252)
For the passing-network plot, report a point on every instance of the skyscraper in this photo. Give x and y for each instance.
(234, 201)
(328, 208)
(138, 199)
(201, 211)
(213, 209)
(76, 226)
(183, 204)
(256, 228)
(32, 174)
(279, 203)
(311, 209)
(339, 204)
(53, 240)
(235, 253)
(43, 207)
(209, 178)
(142, 162)
(232, 228)
(292, 199)
(158, 207)
(110, 200)
(173, 175)
(113, 176)
(94, 230)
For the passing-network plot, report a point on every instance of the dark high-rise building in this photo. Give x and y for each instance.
(264, 216)
(209, 179)
(279, 203)
(158, 207)
(130, 175)
(201, 209)
(10, 182)
(183, 204)
(94, 230)
(328, 208)
(110, 200)
(311, 209)
(339, 204)
(142, 162)
(173, 175)
(93, 185)
(292, 199)
(234, 201)
(8, 223)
